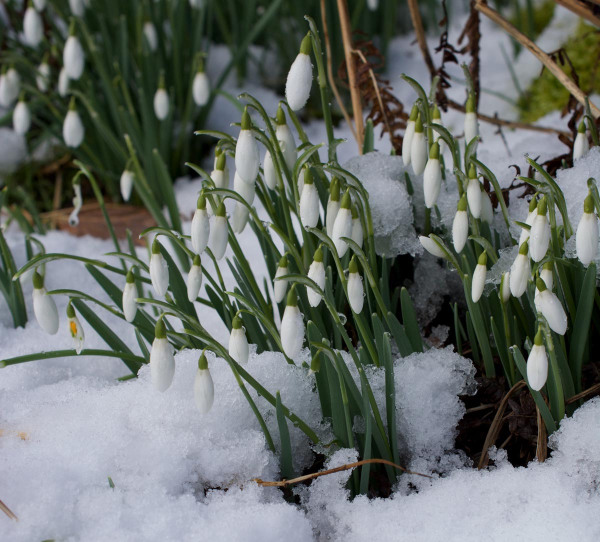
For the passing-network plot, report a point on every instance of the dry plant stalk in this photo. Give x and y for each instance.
(582, 9)
(8, 511)
(541, 451)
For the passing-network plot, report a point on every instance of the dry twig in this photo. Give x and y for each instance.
(8, 511)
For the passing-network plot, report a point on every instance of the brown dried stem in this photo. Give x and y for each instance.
(582, 9)
(415, 16)
(541, 451)
(8, 511)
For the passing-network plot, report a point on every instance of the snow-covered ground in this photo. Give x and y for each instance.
(67, 425)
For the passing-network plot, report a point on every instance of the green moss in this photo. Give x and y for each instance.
(546, 94)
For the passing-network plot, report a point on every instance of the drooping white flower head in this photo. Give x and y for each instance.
(126, 184)
(548, 304)
(286, 139)
(547, 276)
(73, 130)
(474, 192)
(218, 174)
(204, 388)
(238, 343)
(581, 144)
(460, 225)
(269, 172)
(161, 100)
(356, 291)
(539, 236)
(299, 79)
(44, 307)
(42, 77)
(309, 202)
(357, 229)
(241, 213)
(10, 86)
(471, 125)
(408, 135)
(151, 36)
(200, 226)
(292, 326)
(194, 279)
(520, 271)
(218, 152)
(21, 117)
(431, 246)
(73, 55)
(537, 363)
(342, 227)
(529, 220)
(129, 297)
(77, 7)
(418, 148)
(201, 87)
(487, 211)
(505, 287)
(316, 272)
(247, 160)
(479, 275)
(280, 286)
(218, 237)
(162, 362)
(587, 233)
(75, 329)
(63, 83)
(333, 205)
(436, 118)
(159, 270)
(33, 27)
(432, 177)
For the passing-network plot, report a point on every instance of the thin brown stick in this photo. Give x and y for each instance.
(351, 69)
(544, 58)
(580, 9)
(330, 77)
(541, 451)
(341, 468)
(417, 22)
(8, 511)
(590, 391)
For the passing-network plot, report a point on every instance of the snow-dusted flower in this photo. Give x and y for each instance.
(587, 233)
(357, 229)
(548, 304)
(126, 184)
(238, 343)
(356, 291)
(162, 362)
(129, 297)
(201, 87)
(309, 202)
(539, 236)
(316, 272)
(342, 227)
(333, 205)
(505, 287)
(520, 271)
(408, 135)
(487, 211)
(204, 389)
(161, 101)
(529, 220)
(292, 326)
(286, 139)
(280, 286)
(418, 148)
(241, 213)
(581, 145)
(431, 246)
(151, 36)
(537, 363)
(77, 7)
(479, 277)
(75, 329)
(21, 117)
(200, 226)
(10, 86)
(218, 174)
(40, 5)
(42, 76)
(299, 79)
(471, 126)
(159, 270)
(73, 55)
(63, 83)
(270, 175)
(474, 193)
(33, 27)
(432, 176)
(217, 240)
(73, 130)
(247, 160)
(460, 225)
(44, 307)
(194, 279)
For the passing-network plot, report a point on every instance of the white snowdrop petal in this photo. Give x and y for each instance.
(537, 367)
(247, 160)
(407, 142)
(77, 7)
(218, 237)
(129, 303)
(63, 83)
(299, 82)
(33, 27)
(355, 292)
(151, 35)
(487, 211)
(288, 145)
(418, 152)
(332, 210)
(10, 86)
(357, 232)
(45, 311)
(162, 364)
(520, 273)
(159, 274)
(21, 118)
(73, 130)
(292, 331)
(478, 282)
(471, 127)
(238, 345)
(73, 58)
(586, 239)
(309, 206)
(201, 89)
(432, 182)
(539, 238)
(581, 145)
(431, 246)
(77, 334)
(552, 310)
(42, 77)
(126, 184)
(270, 175)
(194, 282)
(280, 286)
(460, 230)
(316, 272)
(200, 230)
(204, 390)
(342, 227)
(161, 104)
(474, 197)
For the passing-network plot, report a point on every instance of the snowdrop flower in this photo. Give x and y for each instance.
(537, 363)
(77, 203)
(126, 184)
(432, 177)
(73, 55)
(460, 225)
(487, 211)
(529, 220)
(357, 229)
(40, 5)
(547, 277)
(299, 79)
(200, 226)
(548, 304)
(10, 86)
(44, 307)
(77, 7)
(42, 76)
(373, 4)
(520, 271)
(269, 173)
(418, 148)
(21, 117)
(286, 139)
(342, 227)
(63, 83)
(333, 205)
(309, 202)
(129, 297)
(218, 233)
(479, 277)
(218, 152)
(162, 362)
(241, 213)
(431, 246)
(539, 236)
(238, 343)
(161, 101)
(436, 118)
(247, 160)
(356, 292)
(218, 174)
(159, 270)
(204, 389)
(280, 286)
(201, 87)
(75, 328)
(292, 326)
(587, 233)
(33, 27)
(194, 279)
(505, 287)
(73, 130)
(408, 135)
(471, 126)
(474, 193)
(316, 272)
(581, 145)
(151, 36)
